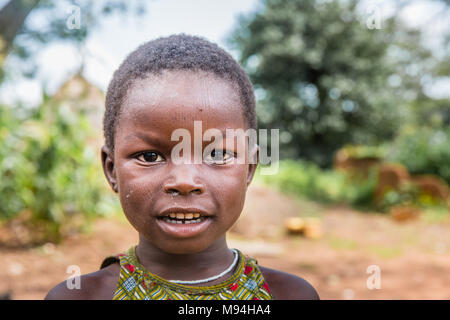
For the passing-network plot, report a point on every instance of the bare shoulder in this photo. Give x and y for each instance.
(99, 285)
(286, 286)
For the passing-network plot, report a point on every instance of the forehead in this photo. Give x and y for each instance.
(176, 98)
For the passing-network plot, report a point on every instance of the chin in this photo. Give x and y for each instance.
(185, 246)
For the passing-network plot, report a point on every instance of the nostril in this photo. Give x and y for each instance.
(173, 192)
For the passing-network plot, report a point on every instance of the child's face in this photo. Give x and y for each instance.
(150, 184)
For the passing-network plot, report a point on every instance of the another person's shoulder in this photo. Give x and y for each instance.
(286, 286)
(99, 285)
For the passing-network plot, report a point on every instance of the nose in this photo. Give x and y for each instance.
(184, 180)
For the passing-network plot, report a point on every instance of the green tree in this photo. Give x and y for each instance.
(326, 79)
(28, 25)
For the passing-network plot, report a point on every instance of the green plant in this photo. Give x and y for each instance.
(49, 172)
(359, 191)
(407, 194)
(307, 180)
(423, 151)
(328, 186)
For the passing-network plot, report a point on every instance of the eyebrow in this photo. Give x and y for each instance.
(157, 142)
(149, 140)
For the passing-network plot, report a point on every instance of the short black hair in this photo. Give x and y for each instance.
(175, 52)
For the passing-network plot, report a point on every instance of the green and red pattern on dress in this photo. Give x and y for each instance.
(137, 283)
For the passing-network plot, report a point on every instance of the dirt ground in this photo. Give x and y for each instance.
(413, 258)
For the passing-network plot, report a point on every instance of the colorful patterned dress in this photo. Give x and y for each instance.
(137, 283)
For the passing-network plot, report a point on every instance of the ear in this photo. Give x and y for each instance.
(253, 163)
(109, 169)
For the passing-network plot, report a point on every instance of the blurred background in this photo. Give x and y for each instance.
(360, 91)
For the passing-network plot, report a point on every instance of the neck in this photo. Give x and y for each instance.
(193, 266)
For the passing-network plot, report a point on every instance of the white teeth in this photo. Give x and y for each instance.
(187, 218)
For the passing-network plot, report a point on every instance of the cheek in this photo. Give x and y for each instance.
(232, 191)
(138, 192)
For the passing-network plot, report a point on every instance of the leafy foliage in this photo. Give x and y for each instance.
(46, 169)
(423, 150)
(324, 78)
(307, 180)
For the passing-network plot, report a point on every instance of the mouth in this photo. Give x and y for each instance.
(183, 218)
(183, 224)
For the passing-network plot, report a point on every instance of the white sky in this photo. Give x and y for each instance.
(117, 36)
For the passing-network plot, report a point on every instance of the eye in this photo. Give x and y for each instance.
(150, 156)
(218, 156)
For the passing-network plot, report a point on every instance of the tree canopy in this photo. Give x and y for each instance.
(326, 79)
(26, 26)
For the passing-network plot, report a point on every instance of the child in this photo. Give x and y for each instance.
(181, 210)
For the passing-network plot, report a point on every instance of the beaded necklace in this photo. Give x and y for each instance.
(233, 264)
